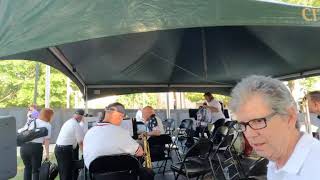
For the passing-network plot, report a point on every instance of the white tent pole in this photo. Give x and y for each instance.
(47, 89)
(168, 106)
(86, 99)
(68, 92)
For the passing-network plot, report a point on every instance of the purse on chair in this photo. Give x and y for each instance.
(29, 135)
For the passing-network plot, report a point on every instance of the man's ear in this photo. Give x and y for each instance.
(292, 117)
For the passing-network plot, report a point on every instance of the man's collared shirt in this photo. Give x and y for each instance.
(71, 133)
(303, 163)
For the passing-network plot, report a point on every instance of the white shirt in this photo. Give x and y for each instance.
(303, 163)
(71, 133)
(107, 139)
(84, 125)
(215, 115)
(39, 123)
(139, 116)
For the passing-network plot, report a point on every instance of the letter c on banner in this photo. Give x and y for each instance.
(309, 14)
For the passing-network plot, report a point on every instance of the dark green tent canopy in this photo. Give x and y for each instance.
(125, 46)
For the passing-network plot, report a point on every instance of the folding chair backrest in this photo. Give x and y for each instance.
(163, 139)
(169, 124)
(201, 148)
(158, 148)
(221, 132)
(186, 124)
(115, 167)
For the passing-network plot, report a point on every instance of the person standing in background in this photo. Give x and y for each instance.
(71, 135)
(32, 112)
(31, 152)
(214, 106)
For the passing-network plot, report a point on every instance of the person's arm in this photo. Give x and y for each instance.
(46, 148)
(47, 142)
(23, 128)
(139, 152)
(79, 136)
(155, 132)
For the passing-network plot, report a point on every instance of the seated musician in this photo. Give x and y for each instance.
(153, 123)
(108, 138)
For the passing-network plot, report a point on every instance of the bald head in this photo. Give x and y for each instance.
(147, 112)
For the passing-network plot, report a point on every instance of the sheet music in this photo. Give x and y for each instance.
(127, 124)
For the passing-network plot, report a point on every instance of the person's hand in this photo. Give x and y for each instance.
(142, 135)
(139, 151)
(45, 157)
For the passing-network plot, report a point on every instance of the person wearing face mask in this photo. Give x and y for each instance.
(267, 115)
(71, 135)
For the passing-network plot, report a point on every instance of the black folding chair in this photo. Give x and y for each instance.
(186, 134)
(169, 125)
(115, 167)
(223, 157)
(195, 162)
(160, 150)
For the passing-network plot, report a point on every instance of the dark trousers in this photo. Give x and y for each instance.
(146, 174)
(65, 157)
(31, 155)
(217, 124)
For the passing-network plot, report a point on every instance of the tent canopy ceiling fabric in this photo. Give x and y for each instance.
(121, 46)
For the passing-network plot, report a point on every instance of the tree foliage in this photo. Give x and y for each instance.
(17, 80)
(139, 100)
(198, 97)
(315, 3)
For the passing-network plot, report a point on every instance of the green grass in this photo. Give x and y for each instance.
(20, 167)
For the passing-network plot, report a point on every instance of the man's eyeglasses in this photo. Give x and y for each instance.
(112, 109)
(255, 124)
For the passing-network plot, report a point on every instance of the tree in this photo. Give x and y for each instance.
(198, 98)
(304, 2)
(17, 85)
(139, 100)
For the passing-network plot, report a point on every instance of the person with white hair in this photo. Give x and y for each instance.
(267, 115)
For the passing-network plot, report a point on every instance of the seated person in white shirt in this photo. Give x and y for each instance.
(153, 124)
(267, 115)
(71, 135)
(108, 138)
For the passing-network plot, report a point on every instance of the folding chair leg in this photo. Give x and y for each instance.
(177, 176)
(164, 168)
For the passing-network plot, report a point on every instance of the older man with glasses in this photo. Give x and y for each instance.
(267, 115)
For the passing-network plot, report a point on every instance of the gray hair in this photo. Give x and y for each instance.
(276, 94)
